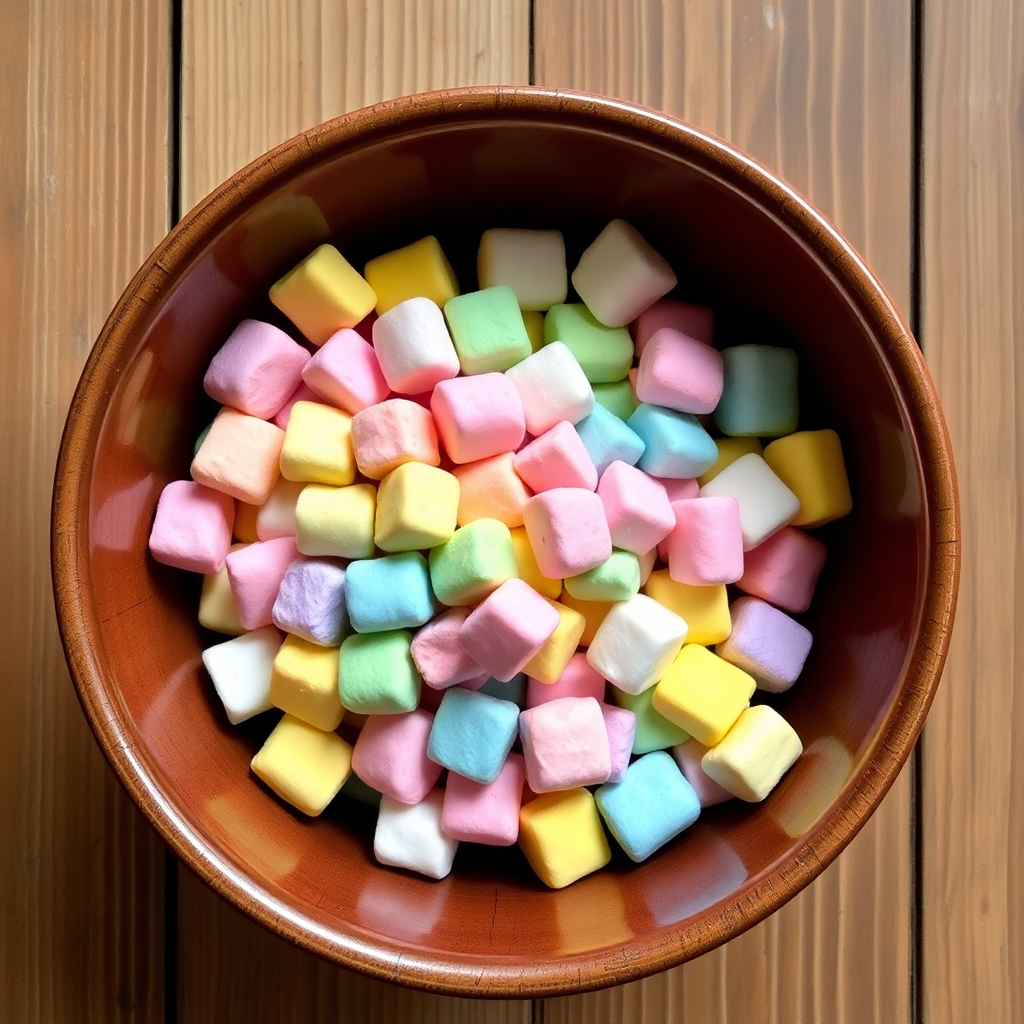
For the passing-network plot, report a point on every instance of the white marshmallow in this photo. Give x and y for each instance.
(636, 643)
(766, 503)
(755, 753)
(409, 836)
(413, 346)
(531, 263)
(647, 560)
(552, 387)
(620, 275)
(276, 516)
(241, 670)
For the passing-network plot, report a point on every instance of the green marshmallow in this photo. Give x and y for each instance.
(618, 398)
(488, 330)
(605, 353)
(477, 559)
(377, 675)
(617, 578)
(759, 398)
(653, 730)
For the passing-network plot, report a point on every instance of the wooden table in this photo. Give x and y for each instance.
(902, 121)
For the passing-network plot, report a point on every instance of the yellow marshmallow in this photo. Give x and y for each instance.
(417, 269)
(303, 765)
(304, 682)
(323, 294)
(705, 609)
(550, 661)
(755, 753)
(244, 528)
(217, 608)
(561, 835)
(416, 508)
(528, 569)
(702, 693)
(336, 521)
(593, 613)
(318, 445)
(491, 489)
(810, 464)
(533, 321)
(729, 450)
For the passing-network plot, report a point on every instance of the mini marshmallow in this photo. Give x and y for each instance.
(336, 521)
(533, 321)
(304, 683)
(767, 643)
(653, 730)
(679, 372)
(604, 353)
(345, 372)
(378, 676)
(618, 397)
(760, 397)
(310, 602)
(531, 263)
(688, 757)
(477, 560)
(318, 445)
(694, 321)
(552, 387)
(411, 837)
(647, 561)
(487, 329)
(255, 370)
(705, 546)
(558, 458)
(578, 679)
(729, 450)
(472, 734)
(390, 434)
(617, 578)
(417, 506)
(302, 393)
(192, 527)
(414, 347)
(678, 489)
(550, 661)
(620, 724)
(675, 443)
(562, 838)
(567, 530)
(766, 503)
(528, 570)
(255, 572)
(593, 613)
(276, 516)
(240, 670)
(607, 439)
(784, 569)
(636, 643)
(217, 610)
(487, 813)
(419, 269)
(636, 506)
(565, 744)
(620, 274)
(491, 489)
(704, 609)
(239, 457)
(390, 756)
(810, 463)
(478, 416)
(441, 660)
(390, 592)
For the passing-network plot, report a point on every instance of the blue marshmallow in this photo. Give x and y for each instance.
(651, 805)
(472, 734)
(392, 592)
(759, 398)
(607, 439)
(514, 690)
(676, 445)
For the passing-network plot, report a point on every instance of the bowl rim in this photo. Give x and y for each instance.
(940, 561)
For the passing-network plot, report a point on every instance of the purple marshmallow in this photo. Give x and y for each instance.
(311, 601)
(767, 643)
(621, 726)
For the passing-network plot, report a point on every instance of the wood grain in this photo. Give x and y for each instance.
(973, 334)
(84, 197)
(821, 94)
(287, 68)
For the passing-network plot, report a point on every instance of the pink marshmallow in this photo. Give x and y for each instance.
(192, 527)
(441, 659)
(578, 679)
(636, 506)
(390, 755)
(687, 755)
(387, 435)
(255, 573)
(478, 416)
(473, 812)
(695, 321)
(567, 530)
(679, 372)
(784, 569)
(345, 372)
(256, 369)
(678, 490)
(766, 643)
(303, 393)
(565, 744)
(621, 726)
(706, 545)
(558, 458)
(508, 628)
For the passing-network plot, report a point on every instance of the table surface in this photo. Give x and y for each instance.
(902, 121)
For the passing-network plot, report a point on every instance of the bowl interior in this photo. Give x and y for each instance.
(739, 242)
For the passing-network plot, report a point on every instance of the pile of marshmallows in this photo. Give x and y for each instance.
(456, 514)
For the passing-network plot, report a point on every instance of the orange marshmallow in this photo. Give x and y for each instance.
(491, 489)
(240, 456)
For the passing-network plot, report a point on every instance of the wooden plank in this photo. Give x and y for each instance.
(821, 94)
(289, 67)
(973, 333)
(84, 194)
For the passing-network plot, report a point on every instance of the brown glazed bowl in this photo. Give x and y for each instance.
(453, 164)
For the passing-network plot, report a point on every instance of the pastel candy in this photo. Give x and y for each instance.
(310, 602)
(550, 661)
(305, 766)
(757, 751)
(472, 734)
(276, 516)
(419, 269)
(675, 444)
(487, 813)
(239, 457)
(567, 530)
(531, 263)
(440, 658)
(680, 372)
(565, 744)
(578, 679)
(256, 369)
(729, 450)
(604, 353)
(636, 506)
(607, 439)
(508, 628)
(705, 546)
(378, 676)
(528, 570)
(759, 398)
(345, 372)
(304, 683)
(695, 321)
(411, 837)
(390, 756)
(620, 274)
(704, 609)
(217, 609)
(688, 757)
(303, 393)
(318, 445)
(491, 489)
(390, 592)
(336, 521)
(562, 838)
(192, 527)
(478, 416)
(620, 724)
(647, 562)
(766, 503)
(617, 578)
(322, 294)
(810, 463)
(784, 569)
(636, 643)
(241, 669)
(552, 387)
(478, 559)
(487, 329)
(558, 458)
(593, 613)
(533, 321)
(255, 572)
(618, 397)
(677, 489)
(767, 643)
(390, 434)
(653, 730)
(417, 507)
(414, 347)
